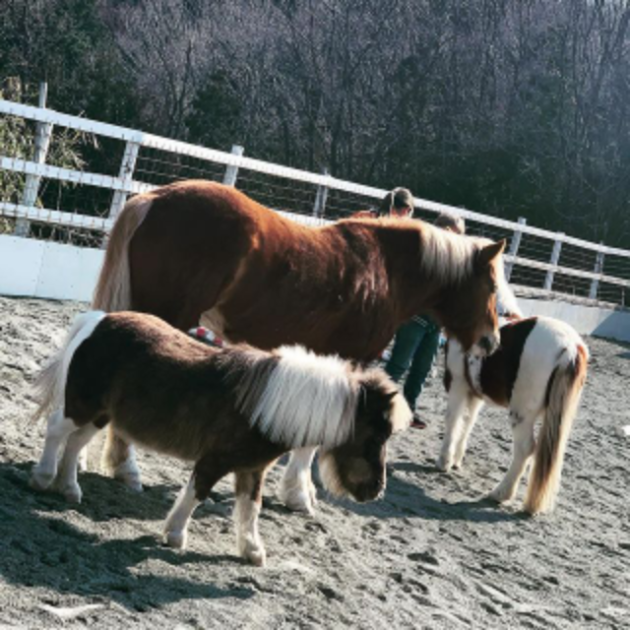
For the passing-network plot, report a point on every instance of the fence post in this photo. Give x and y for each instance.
(555, 257)
(514, 245)
(599, 268)
(231, 172)
(127, 167)
(320, 198)
(43, 133)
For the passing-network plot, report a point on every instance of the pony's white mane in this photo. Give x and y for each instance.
(307, 400)
(445, 256)
(449, 258)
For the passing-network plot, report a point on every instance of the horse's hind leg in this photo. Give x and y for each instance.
(297, 490)
(66, 481)
(248, 503)
(474, 407)
(523, 449)
(458, 400)
(59, 428)
(120, 459)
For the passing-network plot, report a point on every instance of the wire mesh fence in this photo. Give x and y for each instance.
(64, 179)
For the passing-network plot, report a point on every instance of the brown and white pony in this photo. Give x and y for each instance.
(231, 410)
(198, 252)
(538, 372)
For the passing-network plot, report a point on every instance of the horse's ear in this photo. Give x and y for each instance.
(489, 253)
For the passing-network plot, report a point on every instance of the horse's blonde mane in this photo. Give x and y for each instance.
(298, 398)
(448, 257)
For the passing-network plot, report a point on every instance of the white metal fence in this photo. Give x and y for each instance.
(49, 201)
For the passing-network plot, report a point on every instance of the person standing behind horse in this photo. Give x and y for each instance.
(417, 342)
(398, 202)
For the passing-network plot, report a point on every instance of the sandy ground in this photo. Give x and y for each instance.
(432, 554)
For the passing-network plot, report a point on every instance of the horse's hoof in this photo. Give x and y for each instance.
(300, 503)
(135, 485)
(41, 480)
(256, 555)
(442, 464)
(133, 482)
(72, 494)
(176, 540)
(499, 495)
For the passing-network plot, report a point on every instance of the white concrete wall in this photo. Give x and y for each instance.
(31, 268)
(587, 320)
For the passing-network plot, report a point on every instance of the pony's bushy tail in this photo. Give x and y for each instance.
(50, 383)
(113, 290)
(563, 398)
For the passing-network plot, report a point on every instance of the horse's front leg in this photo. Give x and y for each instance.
(456, 408)
(523, 449)
(208, 470)
(176, 526)
(120, 459)
(248, 503)
(297, 490)
(474, 407)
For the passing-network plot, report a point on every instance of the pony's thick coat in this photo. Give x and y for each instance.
(538, 372)
(199, 251)
(230, 410)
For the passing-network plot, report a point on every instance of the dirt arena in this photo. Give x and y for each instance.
(432, 554)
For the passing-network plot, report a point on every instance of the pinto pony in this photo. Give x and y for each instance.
(198, 252)
(232, 410)
(538, 372)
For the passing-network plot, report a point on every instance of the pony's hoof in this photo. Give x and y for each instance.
(442, 464)
(72, 494)
(300, 502)
(176, 540)
(132, 482)
(500, 495)
(41, 480)
(256, 555)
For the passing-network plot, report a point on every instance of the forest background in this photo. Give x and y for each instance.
(507, 107)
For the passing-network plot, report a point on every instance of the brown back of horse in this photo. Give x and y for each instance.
(205, 252)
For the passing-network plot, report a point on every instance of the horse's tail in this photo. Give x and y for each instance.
(113, 291)
(50, 384)
(563, 397)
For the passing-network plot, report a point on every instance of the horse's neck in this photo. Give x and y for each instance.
(416, 285)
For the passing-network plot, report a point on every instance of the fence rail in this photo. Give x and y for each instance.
(59, 198)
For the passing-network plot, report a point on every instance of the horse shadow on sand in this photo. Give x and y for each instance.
(408, 499)
(41, 548)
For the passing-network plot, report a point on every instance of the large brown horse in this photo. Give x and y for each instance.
(198, 251)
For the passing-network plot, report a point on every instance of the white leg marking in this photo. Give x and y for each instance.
(59, 428)
(128, 472)
(176, 526)
(523, 448)
(248, 541)
(474, 407)
(297, 490)
(66, 481)
(456, 408)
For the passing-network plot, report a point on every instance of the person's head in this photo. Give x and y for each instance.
(397, 203)
(451, 223)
